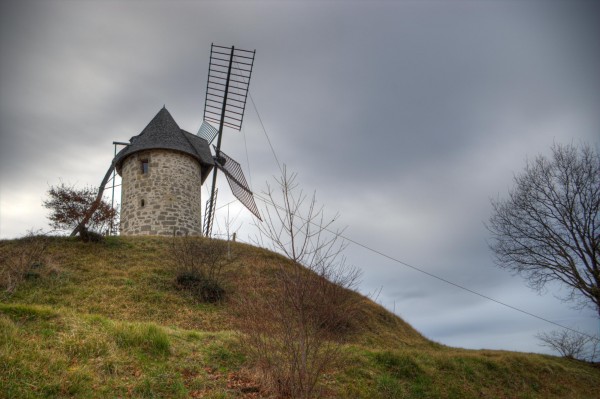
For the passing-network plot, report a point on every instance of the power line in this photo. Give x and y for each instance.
(266, 135)
(223, 206)
(396, 260)
(393, 259)
(261, 123)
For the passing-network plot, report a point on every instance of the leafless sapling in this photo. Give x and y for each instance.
(296, 327)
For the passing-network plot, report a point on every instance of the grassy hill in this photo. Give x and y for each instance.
(107, 320)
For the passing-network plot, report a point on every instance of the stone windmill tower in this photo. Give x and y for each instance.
(162, 171)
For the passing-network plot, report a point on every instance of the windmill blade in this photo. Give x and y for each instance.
(237, 182)
(229, 73)
(209, 213)
(207, 131)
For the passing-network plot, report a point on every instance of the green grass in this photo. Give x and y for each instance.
(111, 323)
(147, 337)
(92, 356)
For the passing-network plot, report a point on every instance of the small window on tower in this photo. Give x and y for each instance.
(143, 203)
(144, 166)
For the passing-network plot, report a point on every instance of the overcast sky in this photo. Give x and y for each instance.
(405, 117)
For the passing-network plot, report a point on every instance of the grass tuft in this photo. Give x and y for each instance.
(27, 312)
(8, 331)
(398, 365)
(147, 337)
(389, 387)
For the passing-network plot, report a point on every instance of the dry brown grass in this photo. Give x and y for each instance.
(133, 279)
(112, 323)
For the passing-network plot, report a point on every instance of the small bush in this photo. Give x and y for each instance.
(202, 288)
(211, 291)
(199, 264)
(90, 236)
(188, 281)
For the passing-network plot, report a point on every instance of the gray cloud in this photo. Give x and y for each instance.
(405, 117)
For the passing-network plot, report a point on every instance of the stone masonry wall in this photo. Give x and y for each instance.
(163, 201)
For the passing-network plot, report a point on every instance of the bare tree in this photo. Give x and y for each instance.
(569, 344)
(69, 206)
(295, 326)
(548, 229)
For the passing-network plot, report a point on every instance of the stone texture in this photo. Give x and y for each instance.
(170, 192)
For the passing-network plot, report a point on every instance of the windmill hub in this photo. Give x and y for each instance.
(220, 160)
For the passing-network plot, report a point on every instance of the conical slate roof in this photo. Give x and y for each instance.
(163, 133)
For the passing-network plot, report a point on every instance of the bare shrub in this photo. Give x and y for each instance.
(294, 329)
(569, 344)
(199, 264)
(295, 323)
(22, 259)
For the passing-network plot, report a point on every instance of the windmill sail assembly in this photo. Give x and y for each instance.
(163, 168)
(227, 87)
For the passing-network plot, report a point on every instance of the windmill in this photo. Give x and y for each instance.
(227, 86)
(163, 200)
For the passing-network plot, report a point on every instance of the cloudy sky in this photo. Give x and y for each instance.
(406, 118)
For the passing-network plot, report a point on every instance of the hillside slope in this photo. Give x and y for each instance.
(107, 320)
